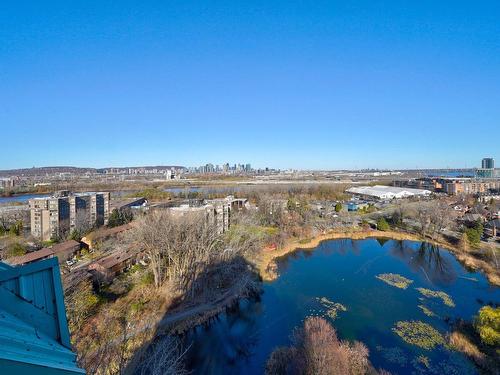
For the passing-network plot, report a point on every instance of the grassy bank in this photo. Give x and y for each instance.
(267, 268)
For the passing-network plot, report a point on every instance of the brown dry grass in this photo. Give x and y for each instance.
(460, 342)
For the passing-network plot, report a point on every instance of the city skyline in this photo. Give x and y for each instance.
(283, 84)
(241, 166)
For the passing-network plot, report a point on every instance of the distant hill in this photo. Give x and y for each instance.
(40, 171)
(37, 171)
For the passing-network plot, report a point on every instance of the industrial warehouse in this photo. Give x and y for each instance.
(387, 192)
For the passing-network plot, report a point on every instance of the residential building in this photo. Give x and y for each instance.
(55, 217)
(63, 251)
(128, 203)
(106, 269)
(95, 238)
(6, 183)
(50, 217)
(215, 211)
(34, 334)
(471, 186)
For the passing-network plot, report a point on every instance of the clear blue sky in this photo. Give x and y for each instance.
(299, 84)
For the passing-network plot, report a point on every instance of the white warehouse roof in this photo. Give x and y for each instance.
(387, 192)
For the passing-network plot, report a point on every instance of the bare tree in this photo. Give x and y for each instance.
(165, 357)
(318, 351)
(190, 254)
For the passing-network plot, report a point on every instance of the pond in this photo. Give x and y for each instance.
(349, 272)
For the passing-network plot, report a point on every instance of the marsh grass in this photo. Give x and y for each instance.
(395, 280)
(447, 300)
(419, 333)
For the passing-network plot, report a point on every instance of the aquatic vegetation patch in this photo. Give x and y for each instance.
(332, 308)
(427, 311)
(424, 360)
(394, 355)
(447, 300)
(419, 333)
(395, 280)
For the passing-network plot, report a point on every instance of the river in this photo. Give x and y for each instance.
(21, 198)
(344, 271)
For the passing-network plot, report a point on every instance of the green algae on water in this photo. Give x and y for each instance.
(426, 311)
(333, 308)
(418, 333)
(447, 300)
(395, 280)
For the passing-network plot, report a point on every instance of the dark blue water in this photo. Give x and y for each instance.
(344, 271)
(445, 173)
(21, 198)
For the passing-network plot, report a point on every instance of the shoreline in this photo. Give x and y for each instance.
(267, 266)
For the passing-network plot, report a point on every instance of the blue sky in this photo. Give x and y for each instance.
(288, 84)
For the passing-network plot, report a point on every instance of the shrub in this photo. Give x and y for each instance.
(75, 235)
(152, 194)
(487, 324)
(383, 225)
(81, 303)
(338, 207)
(147, 278)
(473, 236)
(16, 228)
(14, 250)
(120, 217)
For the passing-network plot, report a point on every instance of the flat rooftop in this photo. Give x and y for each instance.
(84, 194)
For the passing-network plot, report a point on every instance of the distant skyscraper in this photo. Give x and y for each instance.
(488, 163)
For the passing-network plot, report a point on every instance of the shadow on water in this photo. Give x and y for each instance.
(382, 241)
(215, 293)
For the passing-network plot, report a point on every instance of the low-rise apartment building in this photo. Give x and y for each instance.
(471, 186)
(55, 217)
(215, 211)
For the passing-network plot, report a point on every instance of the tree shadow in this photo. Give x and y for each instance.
(225, 293)
(427, 260)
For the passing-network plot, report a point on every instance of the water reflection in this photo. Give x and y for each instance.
(345, 271)
(426, 260)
